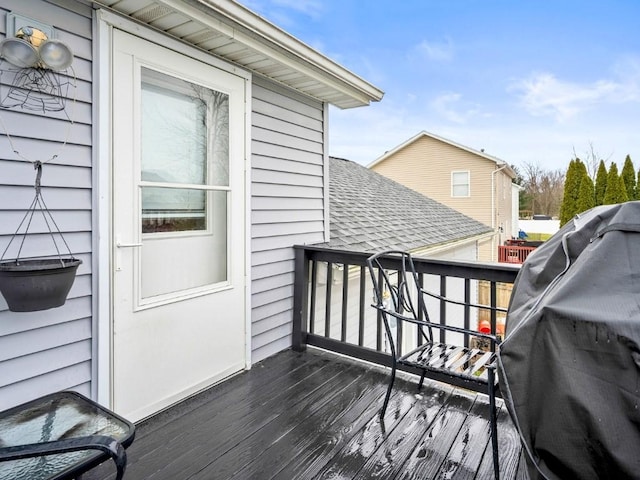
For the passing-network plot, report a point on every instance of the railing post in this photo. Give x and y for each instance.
(300, 300)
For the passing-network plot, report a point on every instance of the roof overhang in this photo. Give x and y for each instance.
(231, 31)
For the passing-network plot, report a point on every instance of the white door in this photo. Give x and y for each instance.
(178, 226)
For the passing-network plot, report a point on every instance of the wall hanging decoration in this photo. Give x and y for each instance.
(31, 284)
(36, 75)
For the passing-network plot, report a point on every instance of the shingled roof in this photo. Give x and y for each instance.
(369, 212)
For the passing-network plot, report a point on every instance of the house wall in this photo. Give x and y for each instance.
(49, 350)
(425, 166)
(287, 204)
(42, 352)
(463, 253)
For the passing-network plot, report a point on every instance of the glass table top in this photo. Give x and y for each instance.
(58, 416)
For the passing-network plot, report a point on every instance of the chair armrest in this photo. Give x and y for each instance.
(102, 443)
(456, 302)
(494, 338)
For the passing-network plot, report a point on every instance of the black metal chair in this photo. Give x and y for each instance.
(400, 299)
(61, 436)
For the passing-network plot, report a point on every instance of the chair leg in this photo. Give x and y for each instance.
(389, 388)
(424, 372)
(493, 420)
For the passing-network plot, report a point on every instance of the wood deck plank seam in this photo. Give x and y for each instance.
(235, 429)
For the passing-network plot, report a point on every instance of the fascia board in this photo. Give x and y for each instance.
(253, 31)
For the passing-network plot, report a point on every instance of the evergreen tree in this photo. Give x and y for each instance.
(612, 193)
(570, 195)
(601, 182)
(586, 194)
(581, 168)
(628, 175)
(622, 191)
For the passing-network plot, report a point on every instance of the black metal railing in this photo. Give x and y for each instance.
(333, 294)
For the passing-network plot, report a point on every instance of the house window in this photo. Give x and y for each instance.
(460, 184)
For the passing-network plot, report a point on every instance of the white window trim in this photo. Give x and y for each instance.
(468, 173)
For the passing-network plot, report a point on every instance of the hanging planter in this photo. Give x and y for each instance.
(37, 284)
(33, 284)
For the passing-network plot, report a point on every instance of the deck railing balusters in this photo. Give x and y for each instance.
(494, 318)
(443, 308)
(467, 309)
(327, 304)
(345, 301)
(363, 305)
(314, 296)
(379, 327)
(362, 331)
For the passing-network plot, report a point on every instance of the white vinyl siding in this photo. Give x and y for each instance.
(287, 204)
(46, 351)
(460, 184)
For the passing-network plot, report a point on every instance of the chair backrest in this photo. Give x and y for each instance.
(398, 291)
(395, 286)
(400, 294)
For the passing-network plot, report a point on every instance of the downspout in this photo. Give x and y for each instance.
(493, 207)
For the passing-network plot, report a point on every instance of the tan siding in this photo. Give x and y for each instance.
(425, 166)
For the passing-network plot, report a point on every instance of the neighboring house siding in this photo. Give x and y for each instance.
(287, 206)
(426, 165)
(50, 350)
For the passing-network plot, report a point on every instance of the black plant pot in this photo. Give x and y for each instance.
(29, 285)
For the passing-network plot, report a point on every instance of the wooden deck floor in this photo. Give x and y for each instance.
(314, 415)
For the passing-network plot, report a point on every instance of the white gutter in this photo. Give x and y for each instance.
(493, 205)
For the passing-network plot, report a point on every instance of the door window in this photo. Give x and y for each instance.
(184, 183)
(184, 141)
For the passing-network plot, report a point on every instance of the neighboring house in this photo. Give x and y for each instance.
(194, 160)
(370, 213)
(468, 180)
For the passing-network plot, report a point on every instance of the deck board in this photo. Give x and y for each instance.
(351, 403)
(243, 418)
(399, 444)
(431, 451)
(314, 415)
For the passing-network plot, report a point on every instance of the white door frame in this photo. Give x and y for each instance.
(102, 309)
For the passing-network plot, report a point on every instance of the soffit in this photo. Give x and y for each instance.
(228, 30)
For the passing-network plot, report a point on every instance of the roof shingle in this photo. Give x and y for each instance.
(369, 212)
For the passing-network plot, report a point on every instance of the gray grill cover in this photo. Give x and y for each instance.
(570, 364)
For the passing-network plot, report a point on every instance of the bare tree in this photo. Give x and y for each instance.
(543, 188)
(591, 160)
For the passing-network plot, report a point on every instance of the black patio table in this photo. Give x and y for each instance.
(60, 436)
